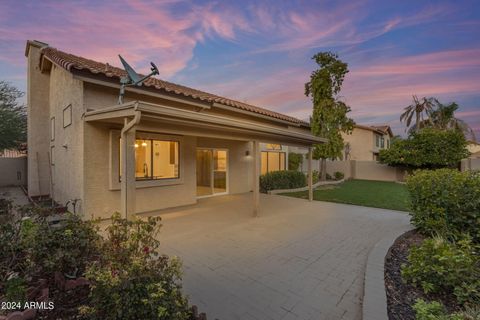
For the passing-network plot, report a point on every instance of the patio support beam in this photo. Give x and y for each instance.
(256, 177)
(310, 175)
(127, 183)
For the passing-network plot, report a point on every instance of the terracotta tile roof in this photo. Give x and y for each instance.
(72, 62)
(385, 128)
(382, 129)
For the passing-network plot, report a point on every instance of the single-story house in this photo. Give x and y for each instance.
(166, 146)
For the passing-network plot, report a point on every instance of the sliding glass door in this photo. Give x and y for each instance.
(212, 172)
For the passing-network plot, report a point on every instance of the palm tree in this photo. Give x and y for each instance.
(443, 118)
(418, 108)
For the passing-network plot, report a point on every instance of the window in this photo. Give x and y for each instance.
(52, 155)
(272, 146)
(156, 159)
(272, 161)
(382, 142)
(388, 143)
(377, 141)
(67, 116)
(52, 129)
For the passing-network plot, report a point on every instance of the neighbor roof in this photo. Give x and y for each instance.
(72, 62)
(382, 129)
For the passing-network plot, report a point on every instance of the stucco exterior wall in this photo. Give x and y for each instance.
(340, 166)
(13, 171)
(38, 133)
(240, 165)
(361, 144)
(370, 170)
(101, 200)
(67, 170)
(470, 164)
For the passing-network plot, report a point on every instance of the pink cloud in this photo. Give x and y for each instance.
(141, 31)
(425, 63)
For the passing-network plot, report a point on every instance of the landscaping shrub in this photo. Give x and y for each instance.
(66, 247)
(282, 180)
(5, 207)
(438, 265)
(338, 175)
(132, 280)
(432, 311)
(328, 176)
(315, 176)
(15, 290)
(428, 148)
(12, 257)
(445, 201)
(295, 160)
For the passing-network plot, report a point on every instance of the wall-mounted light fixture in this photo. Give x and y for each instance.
(247, 153)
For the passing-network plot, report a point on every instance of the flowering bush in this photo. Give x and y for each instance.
(132, 280)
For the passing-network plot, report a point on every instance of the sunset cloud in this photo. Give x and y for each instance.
(260, 51)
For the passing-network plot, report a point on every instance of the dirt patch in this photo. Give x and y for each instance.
(401, 296)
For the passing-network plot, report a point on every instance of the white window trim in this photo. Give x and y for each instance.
(115, 160)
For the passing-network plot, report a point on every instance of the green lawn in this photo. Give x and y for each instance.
(378, 194)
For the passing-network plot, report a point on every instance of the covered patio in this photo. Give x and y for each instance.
(297, 260)
(136, 117)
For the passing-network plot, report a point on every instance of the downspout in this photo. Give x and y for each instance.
(128, 125)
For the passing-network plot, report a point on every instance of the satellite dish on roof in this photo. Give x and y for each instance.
(133, 78)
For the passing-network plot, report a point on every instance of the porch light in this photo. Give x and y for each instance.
(247, 153)
(136, 145)
(144, 144)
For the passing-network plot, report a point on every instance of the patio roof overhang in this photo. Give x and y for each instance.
(137, 116)
(179, 121)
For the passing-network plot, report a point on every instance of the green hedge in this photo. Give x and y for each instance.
(446, 202)
(282, 180)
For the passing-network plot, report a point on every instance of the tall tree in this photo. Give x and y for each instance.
(329, 117)
(13, 117)
(418, 108)
(443, 118)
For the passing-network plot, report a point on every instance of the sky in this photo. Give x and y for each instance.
(260, 52)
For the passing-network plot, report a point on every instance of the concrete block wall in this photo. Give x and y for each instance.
(13, 171)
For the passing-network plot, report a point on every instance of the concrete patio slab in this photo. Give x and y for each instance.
(297, 260)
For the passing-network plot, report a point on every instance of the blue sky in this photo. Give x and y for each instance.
(260, 51)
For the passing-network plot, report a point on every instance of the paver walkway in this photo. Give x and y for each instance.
(298, 260)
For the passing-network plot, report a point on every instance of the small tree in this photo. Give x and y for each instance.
(329, 118)
(428, 148)
(13, 118)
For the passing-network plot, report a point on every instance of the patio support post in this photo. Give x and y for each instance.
(310, 175)
(256, 177)
(127, 183)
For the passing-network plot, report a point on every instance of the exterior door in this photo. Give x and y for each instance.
(212, 172)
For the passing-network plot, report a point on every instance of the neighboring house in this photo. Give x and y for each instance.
(13, 167)
(12, 153)
(474, 149)
(365, 142)
(166, 146)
